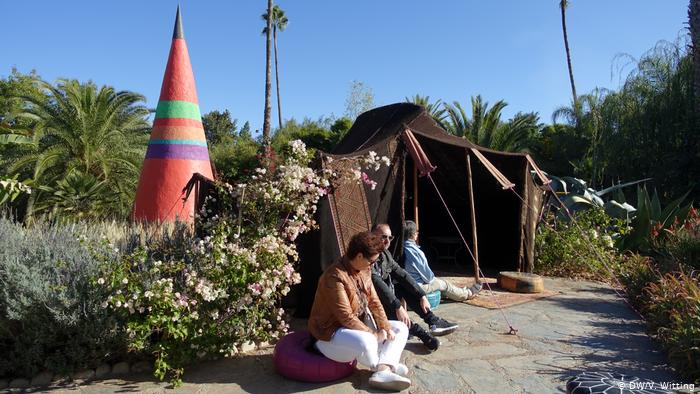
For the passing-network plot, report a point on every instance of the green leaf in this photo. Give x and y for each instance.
(618, 188)
(6, 139)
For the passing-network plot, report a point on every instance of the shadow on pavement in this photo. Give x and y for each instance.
(615, 340)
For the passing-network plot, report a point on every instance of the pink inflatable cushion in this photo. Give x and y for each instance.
(293, 360)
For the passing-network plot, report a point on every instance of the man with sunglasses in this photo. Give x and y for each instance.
(393, 283)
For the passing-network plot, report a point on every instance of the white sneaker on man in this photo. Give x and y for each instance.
(387, 380)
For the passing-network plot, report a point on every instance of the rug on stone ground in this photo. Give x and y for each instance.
(495, 297)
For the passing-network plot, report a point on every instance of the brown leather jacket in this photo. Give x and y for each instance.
(336, 303)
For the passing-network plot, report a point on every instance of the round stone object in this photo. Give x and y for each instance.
(520, 282)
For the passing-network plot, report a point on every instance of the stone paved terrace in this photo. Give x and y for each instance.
(583, 328)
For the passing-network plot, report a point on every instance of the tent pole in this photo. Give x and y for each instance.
(415, 194)
(473, 218)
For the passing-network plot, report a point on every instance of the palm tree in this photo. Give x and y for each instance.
(436, 110)
(79, 196)
(268, 71)
(100, 133)
(517, 134)
(694, 24)
(482, 125)
(279, 22)
(586, 116)
(563, 4)
(486, 129)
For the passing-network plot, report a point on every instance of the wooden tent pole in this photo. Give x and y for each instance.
(415, 194)
(473, 219)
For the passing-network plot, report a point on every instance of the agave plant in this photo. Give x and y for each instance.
(573, 194)
(652, 218)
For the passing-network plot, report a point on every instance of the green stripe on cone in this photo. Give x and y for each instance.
(178, 109)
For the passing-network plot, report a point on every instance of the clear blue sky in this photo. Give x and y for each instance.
(451, 49)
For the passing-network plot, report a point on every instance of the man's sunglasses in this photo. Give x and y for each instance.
(389, 237)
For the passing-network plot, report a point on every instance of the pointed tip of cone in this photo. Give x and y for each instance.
(177, 31)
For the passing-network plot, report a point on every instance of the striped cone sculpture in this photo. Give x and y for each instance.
(177, 148)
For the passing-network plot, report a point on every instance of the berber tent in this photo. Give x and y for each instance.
(428, 181)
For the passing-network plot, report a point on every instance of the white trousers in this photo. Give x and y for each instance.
(347, 345)
(448, 289)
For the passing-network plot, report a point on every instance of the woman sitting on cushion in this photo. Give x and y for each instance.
(349, 322)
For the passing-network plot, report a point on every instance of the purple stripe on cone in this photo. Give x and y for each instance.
(177, 151)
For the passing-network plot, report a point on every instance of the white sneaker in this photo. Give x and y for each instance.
(387, 380)
(400, 369)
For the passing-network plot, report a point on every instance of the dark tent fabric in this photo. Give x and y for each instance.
(505, 219)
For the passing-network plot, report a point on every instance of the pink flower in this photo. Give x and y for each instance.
(255, 288)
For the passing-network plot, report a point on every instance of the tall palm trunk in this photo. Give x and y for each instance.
(562, 5)
(268, 87)
(694, 23)
(277, 78)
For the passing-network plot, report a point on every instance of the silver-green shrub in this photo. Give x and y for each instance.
(50, 312)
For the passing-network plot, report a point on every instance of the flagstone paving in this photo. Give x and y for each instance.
(585, 327)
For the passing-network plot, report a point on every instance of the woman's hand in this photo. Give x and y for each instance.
(390, 335)
(381, 336)
(402, 316)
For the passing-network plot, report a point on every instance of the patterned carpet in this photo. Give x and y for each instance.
(496, 297)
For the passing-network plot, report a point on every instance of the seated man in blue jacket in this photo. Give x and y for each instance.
(416, 265)
(393, 283)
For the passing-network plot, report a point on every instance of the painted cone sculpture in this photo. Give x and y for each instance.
(177, 148)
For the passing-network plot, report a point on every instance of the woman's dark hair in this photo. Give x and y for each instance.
(366, 243)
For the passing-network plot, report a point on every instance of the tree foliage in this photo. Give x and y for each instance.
(360, 99)
(645, 129)
(321, 134)
(84, 132)
(219, 125)
(486, 128)
(436, 109)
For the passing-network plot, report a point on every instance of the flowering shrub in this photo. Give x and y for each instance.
(584, 249)
(216, 293)
(680, 242)
(672, 311)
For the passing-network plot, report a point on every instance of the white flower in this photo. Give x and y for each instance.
(125, 281)
(608, 240)
(101, 281)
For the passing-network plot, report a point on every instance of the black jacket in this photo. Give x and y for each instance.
(384, 273)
